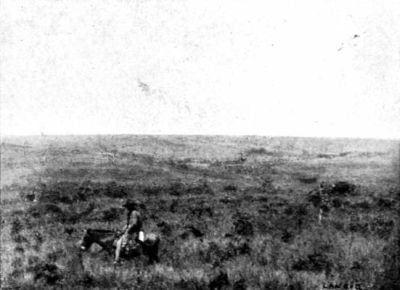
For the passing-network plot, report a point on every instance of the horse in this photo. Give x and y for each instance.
(106, 239)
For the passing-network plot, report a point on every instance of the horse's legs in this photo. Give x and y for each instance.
(153, 257)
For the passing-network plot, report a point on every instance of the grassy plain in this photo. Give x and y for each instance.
(233, 212)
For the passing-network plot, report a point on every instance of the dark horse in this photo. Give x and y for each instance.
(107, 240)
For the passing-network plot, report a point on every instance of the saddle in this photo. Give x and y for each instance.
(131, 247)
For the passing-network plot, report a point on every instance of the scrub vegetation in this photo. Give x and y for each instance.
(232, 212)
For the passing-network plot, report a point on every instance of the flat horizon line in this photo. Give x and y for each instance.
(198, 135)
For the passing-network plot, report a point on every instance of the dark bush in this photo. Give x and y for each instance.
(338, 225)
(242, 225)
(176, 189)
(360, 227)
(230, 187)
(273, 285)
(241, 247)
(19, 239)
(267, 185)
(220, 281)
(323, 155)
(260, 151)
(153, 282)
(86, 280)
(153, 190)
(325, 208)
(307, 179)
(38, 237)
(203, 188)
(62, 192)
(337, 203)
(16, 226)
(201, 209)
(314, 198)
(68, 230)
(342, 187)
(195, 231)
(382, 228)
(17, 263)
(263, 199)
(32, 260)
(16, 274)
(54, 255)
(389, 280)
(215, 254)
(362, 205)
(190, 285)
(286, 236)
(166, 228)
(115, 191)
(47, 272)
(296, 210)
(173, 206)
(239, 284)
(19, 249)
(385, 203)
(111, 214)
(47, 210)
(315, 262)
(295, 286)
(356, 266)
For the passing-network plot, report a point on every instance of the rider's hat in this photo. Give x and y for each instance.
(131, 204)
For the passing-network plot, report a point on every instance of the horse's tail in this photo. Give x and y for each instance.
(152, 244)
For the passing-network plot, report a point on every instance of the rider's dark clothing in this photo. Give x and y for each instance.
(131, 231)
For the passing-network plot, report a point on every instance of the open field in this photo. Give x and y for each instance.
(233, 212)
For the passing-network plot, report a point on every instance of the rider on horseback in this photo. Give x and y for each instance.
(132, 228)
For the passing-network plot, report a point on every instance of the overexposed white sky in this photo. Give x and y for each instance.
(301, 68)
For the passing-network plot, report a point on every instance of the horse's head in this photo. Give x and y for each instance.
(103, 238)
(106, 239)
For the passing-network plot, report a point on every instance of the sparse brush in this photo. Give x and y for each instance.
(46, 272)
(307, 179)
(201, 188)
(111, 214)
(16, 227)
(220, 281)
(242, 225)
(114, 191)
(230, 187)
(226, 221)
(259, 151)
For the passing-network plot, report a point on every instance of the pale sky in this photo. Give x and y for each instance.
(293, 68)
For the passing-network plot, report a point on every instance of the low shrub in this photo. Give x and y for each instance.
(230, 187)
(153, 190)
(47, 272)
(166, 228)
(220, 281)
(111, 214)
(242, 225)
(315, 262)
(342, 188)
(114, 191)
(307, 179)
(50, 210)
(191, 284)
(16, 227)
(239, 284)
(385, 203)
(202, 188)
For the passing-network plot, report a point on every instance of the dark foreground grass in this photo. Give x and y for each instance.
(226, 222)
